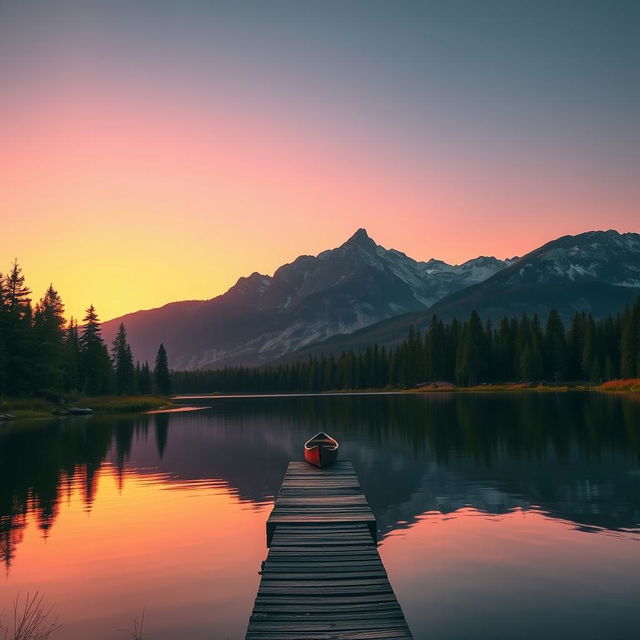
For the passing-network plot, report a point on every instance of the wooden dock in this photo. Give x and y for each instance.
(323, 578)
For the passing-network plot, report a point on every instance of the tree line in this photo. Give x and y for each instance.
(466, 352)
(43, 354)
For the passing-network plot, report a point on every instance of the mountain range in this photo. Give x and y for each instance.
(360, 292)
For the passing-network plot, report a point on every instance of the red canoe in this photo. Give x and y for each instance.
(321, 450)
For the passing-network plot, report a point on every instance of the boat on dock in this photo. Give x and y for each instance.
(321, 450)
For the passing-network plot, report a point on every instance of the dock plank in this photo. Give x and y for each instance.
(323, 578)
(310, 495)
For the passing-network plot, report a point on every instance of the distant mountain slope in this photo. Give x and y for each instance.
(262, 318)
(596, 271)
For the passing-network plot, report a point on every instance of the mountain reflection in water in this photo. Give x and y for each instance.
(571, 457)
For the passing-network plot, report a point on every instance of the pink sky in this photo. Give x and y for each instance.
(131, 181)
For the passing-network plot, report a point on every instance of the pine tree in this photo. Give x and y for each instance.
(589, 356)
(453, 335)
(463, 371)
(526, 364)
(472, 357)
(479, 356)
(413, 359)
(555, 348)
(636, 314)
(609, 369)
(503, 348)
(437, 350)
(17, 334)
(49, 334)
(161, 373)
(107, 378)
(575, 344)
(537, 360)
(521, 362)
(137, 377)
(71, 357)
(95, 374)
(630, 342)
(610, 339)
(122, 358)
(3, 357)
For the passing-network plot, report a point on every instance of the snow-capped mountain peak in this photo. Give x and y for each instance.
(603, 256)
(307, 300)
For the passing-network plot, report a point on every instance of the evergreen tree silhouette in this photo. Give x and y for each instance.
(17, 333)
(95, 374)
(555, 348)
(49, 334)
(124, 372)
(71, 357)
(161, 372)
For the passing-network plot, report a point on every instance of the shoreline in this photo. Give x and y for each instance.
(614, 386)
(34, 408)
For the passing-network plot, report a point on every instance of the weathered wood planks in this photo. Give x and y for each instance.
(312, 495)
(323, 578)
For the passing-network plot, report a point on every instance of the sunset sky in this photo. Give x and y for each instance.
(154, 151)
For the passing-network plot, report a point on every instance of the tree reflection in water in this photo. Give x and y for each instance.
(572, 456)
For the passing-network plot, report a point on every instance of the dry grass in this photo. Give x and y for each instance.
(483, 388)
(31, 619)
(506, 386)
(136, 633)
(7, 405)
(630, 384)
(123, 404)
(435, 386)
(25, 407)
(41, 408)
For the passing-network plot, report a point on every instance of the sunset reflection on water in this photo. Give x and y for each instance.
(145, 543)
(490, 525)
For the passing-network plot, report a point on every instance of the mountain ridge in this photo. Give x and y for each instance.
(360, 293)
(595, 271)
(262, 318)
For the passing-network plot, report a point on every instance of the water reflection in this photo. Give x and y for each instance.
(572, 457)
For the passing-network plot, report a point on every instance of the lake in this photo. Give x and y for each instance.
(500, 515)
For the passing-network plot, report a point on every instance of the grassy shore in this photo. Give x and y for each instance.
(622, 386)
(493, 388)
(42, 408)
(613, 386)
(631, 385)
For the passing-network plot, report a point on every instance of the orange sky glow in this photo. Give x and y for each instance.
(132, 176)
(125, 211)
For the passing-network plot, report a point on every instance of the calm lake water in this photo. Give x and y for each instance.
(500, 516)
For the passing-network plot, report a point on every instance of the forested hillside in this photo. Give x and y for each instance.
(41, 353)
(467, 353)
